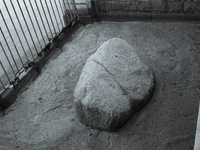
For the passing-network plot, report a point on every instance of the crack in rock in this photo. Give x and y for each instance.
(122, 89)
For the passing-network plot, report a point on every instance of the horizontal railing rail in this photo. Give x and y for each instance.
(28, 29)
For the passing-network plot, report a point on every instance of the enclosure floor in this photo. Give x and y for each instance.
(43, 116)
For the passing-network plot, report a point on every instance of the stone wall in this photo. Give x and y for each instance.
(160, 6)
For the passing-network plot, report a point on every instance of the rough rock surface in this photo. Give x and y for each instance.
(113, 84)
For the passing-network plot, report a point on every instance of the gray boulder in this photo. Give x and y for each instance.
(113, 84)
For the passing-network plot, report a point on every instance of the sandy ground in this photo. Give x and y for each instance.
(43, 116)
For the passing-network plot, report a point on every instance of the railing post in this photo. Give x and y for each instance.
(95, 5)
(67, 12)
(84, 9)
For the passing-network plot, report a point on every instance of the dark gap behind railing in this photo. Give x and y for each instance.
(28, 29)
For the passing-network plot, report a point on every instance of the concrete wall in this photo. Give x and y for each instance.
(160, 6)
(82, 6)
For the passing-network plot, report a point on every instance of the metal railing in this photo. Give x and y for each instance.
(27, 30)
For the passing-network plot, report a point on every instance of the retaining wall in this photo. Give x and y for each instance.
(158, 6)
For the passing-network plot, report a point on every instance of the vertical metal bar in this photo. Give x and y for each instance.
(41, 19)
(64, 4)
(46, 17)
(22, 32)
(27, 28)
(58, 13)
(10, 33)
(65, 11)
(70, 11)
(18, 33)
(54, 15)
(7, 59)
(9, 49)
(32, 25)
(5, 71)
(86, 4)
(50, 16)
(2, 85)
(37, 22)
(63, 1)
(73, 7)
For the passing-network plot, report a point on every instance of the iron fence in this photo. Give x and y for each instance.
(27, 30)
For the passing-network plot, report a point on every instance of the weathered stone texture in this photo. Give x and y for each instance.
(176, 6)
(113, 85)
(192, 6)
(120, 6)
(144, 6)
(152, 5)
(169, 6)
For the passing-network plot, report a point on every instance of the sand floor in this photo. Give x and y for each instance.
(43, 116)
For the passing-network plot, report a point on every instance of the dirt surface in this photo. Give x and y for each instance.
(43, 116)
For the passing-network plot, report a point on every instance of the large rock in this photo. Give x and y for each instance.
(113, 84)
